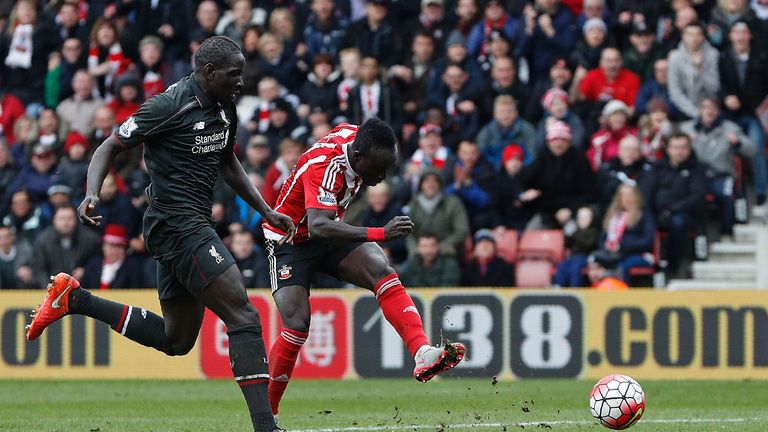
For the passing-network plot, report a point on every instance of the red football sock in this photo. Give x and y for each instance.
(400, 311)
(282, 358)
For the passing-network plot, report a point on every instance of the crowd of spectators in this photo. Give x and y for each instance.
(611, 120)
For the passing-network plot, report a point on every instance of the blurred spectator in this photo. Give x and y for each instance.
(242, 15)
(604, 145)
(61, 71)
(580, 240)
(560, 76)
(63, 247)
(512, 213)
(48, 127)
(657, 88)
(381, 209)
(431, 153)
(24, 48)
(281, 169)
(679, 190)
(104, 124)
(495, 21)
(153, 72)
(431, 20)
(499, 46)
(632, 12)
(157, 17)
(77, 111)
(608, 82)
(258, 108)
(643, 52)
(716, 141)
(601, 271)
(320, 89)
(373, 97)
(7, 174)
(15, 261)
(593, 9)
(673, 27)
(252, 75)
(430, 266)
(550, 32)
(486, 269)
(277, 61)
(586, 53)
(413, 74)
(556, 108)
(206, 17)
(629, 231)
(433, 211)
(25, 131)
(106, 60)
(558, 182)
(282, 23)
(68, 23)
(655, 127)
(760, 9)
(458, 99)
(24, 218)
(282, 122)
(11, 109)
(456, 53)
(470, 177)
(349, 62)
(127, 98)
(503, 82)
(374, 35)
(257, 155)
(693, 71)
(58, 195)
(629, 168)
(467, 15)
(113, 268)
(325, 29)
(250, 260)
(724, 15)
(115, 205)
(507, 127)
(744, 87)
(36, 177)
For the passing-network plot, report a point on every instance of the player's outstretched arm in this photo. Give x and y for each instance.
(323, 226)
(97, 172)
(237, 179)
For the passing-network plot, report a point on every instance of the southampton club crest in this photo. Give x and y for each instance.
(284, 272)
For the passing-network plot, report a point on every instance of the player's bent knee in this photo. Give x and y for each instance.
(297, 323)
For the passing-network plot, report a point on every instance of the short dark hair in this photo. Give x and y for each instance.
(374, 134)
(679, 135)
(216, 50)
(698, 24)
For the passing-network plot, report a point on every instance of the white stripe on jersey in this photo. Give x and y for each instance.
(329, 178)
(298, 174)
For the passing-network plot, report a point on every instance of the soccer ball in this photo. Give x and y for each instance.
(617, 401)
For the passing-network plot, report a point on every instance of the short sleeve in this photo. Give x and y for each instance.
(152, 118)
(322, 183)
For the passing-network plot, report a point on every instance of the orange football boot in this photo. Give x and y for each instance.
(55, 305)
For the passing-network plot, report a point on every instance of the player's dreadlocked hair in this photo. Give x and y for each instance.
(375, 134)
(217, 51)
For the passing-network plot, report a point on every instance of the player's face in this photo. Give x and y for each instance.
(373, 167)
(227, 81)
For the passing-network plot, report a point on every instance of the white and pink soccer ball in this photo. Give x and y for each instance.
(617, 401)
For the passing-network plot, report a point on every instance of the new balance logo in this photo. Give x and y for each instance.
(199, 126)
(281, 378)
(411, 309)
(214, 253)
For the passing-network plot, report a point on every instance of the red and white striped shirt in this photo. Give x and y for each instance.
(322, 179)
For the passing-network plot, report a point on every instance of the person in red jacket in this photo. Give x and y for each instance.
(11, 109)
(609, 81)
(604, 145)
(290, 151)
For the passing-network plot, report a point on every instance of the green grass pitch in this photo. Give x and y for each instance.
(369, 405)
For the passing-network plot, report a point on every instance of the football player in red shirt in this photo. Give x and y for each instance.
(315, 197)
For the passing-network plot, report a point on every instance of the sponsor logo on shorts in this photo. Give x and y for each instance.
(326, 198)
(127, 128)
(214, 253)
(285, 272)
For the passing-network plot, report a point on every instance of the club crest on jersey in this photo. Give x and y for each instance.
(326, 198)
(199, 126)
(285, 272)
(215, 254)
(127, 128)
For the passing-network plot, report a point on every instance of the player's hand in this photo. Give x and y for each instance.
(398, 227)
(284, 223)
(86, 207)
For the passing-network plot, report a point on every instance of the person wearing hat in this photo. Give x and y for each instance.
(556, 104)
(431, 209)
(374, 35)
(37, 177)
(485, 268)
(58, 195)
(560, 76)
(609, 81)
(601, 271)
(430, 267)
(642, 52)
(512, 213)
(113, 268)
(558, 182)
(495, 19)
(586, 53)
(604, 144)
(73, 168)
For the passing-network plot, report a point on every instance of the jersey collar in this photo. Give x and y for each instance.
(202, 99)
(350, 173)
